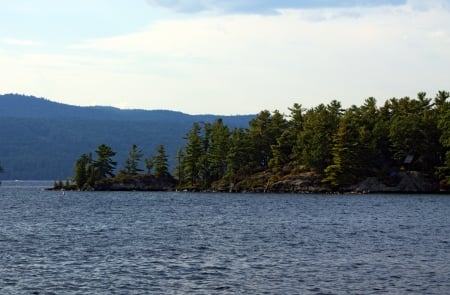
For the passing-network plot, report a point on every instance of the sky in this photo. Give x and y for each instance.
(223, 57)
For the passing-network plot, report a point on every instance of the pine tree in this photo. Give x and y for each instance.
(343, 169)
(83, 172)
(413, 131)
(132, 162)
(104, 165)
(194, 151)
(314, 142)
(161, 162)
(218, 149)
(443, 113)
(240, 157)
(264, 131)
(179, 168)
(149, 164)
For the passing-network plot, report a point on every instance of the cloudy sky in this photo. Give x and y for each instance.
(223, 56)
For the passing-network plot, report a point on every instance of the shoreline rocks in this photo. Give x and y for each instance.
(300, 183)
(406, 182)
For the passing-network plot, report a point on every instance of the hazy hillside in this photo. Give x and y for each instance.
(41, 139)
(21, 106)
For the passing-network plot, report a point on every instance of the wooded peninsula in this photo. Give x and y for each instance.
(401, 146)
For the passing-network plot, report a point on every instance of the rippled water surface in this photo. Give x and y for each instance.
(183, 243)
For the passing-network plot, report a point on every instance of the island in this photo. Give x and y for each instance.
(400, 146)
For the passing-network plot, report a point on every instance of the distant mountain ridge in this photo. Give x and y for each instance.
(23, 106)
(41, 139)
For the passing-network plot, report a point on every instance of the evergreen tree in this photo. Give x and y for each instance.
(443, 114)
(83, 171)
(315, 140)
(373, 132)
(204, 163)
(263, 132)
(239, 155)
(413, 132)
(179, 168)
(283, 152)
(132, 162)
(277, 161)
(104, 165)
(161, 162)
(344, 167)
(194, 151)
(218, 149)
(259, 139)
(149, 164)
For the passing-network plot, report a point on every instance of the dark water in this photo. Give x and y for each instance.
(181, 243)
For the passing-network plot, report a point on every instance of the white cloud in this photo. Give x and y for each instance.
(261, 6)
(245, 63)
(21, 42)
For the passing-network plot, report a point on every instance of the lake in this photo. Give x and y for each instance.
(205, 243)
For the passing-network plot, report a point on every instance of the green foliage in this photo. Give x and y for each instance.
(88, 171)
(344, 146)
(104, 165)
(283, 151)
(362, 135)
(204, 157)
(99, 173)
(413, 131)
(194, 151)
(239, 157)
(84, 171)
(263, 133)
(218, 149)
(345, 164)
(132, 162)
(149, 164)
(341, 146)
(314, 142)
(179, 168)
(161, 162)
(443, 122)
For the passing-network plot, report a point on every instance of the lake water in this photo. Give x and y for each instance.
(185, 243)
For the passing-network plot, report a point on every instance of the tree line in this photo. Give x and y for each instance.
(341, 146)
(89, 172)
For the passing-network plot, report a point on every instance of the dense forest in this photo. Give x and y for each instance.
(340, 147)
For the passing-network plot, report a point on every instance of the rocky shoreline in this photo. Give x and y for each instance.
(402, 182)
(301, 183)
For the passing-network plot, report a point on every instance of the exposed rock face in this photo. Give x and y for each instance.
(407, 182)
(302, 183)
(309, 182)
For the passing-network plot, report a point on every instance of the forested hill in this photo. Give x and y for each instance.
(21, 106)
(41, 139)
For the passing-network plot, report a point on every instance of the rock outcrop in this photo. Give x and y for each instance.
(309, 182)
(263, 182)
(405, 182)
